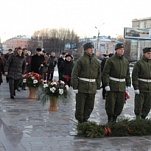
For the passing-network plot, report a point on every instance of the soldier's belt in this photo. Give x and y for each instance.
(87, 80)
(144, 80)
(116, 79)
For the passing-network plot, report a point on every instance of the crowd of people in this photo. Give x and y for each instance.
(86, 76)
(16, 63)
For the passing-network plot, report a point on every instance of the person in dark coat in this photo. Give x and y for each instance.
(14, 69)
(85, 80)
(6, 56)
(60, 63)
(116, 78)
(45, 65)
(1, 69)
(37, 61)
(102, 67)
(66, 69)
(141, 80)
(52, 62)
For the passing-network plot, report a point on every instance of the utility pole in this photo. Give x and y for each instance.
(98, 36)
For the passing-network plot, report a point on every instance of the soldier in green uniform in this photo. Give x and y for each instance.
(141, 80)
(116, 77)
(85, 80)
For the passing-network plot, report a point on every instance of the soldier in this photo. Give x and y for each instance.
(141, 80)
(85, 79)
(116, 77)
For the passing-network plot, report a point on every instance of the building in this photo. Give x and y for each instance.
(102, 45)
(138, 45)
(20, 41)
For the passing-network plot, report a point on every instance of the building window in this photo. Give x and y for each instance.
(148, 24)
(142, 24)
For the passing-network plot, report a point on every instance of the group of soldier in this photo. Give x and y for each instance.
(86, 76)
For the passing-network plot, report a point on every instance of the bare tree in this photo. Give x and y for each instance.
(55, 39)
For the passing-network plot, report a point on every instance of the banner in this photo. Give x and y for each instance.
(137, 33)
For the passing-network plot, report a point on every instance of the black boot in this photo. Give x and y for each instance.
(143, 117)
(110, 118)
(114, 118)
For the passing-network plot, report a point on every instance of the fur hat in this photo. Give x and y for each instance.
(88, 45)
(68, 55)
(38, 49)
(147, 49)
(119, 45)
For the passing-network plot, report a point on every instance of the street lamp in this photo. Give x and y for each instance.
(98, 28)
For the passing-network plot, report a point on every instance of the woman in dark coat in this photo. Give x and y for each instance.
(66, 69)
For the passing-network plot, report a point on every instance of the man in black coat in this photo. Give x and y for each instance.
(104, 59)
(60, 64)
(37, 61)
(14, 70)
(52, 62)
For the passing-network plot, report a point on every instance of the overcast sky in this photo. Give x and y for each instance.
(18, 17)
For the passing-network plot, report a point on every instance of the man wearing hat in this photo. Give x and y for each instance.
(116, 77)
(141, 80)
(85, 80)
(37, 61)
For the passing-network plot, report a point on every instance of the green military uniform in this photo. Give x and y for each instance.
(141, 80)
(86, 77)
(116, 75)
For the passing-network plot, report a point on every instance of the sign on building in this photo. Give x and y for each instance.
(137, 33)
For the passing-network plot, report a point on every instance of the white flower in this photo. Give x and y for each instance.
(67, 87)
(24, 80)
(33, 77)
(45, 85)
(53, 83)
(52, 89)
(60, 91)
(35, 81)
(62, 82)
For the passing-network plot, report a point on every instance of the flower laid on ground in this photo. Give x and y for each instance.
(32, 79)
(57, 89)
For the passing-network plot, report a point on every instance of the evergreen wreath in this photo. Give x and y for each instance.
(124, 127)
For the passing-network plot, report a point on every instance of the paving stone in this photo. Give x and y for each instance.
(26, 125)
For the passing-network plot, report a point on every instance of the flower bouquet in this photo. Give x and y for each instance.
(33, 81)
(52, 90)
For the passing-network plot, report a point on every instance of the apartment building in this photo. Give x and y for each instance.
(138, 45)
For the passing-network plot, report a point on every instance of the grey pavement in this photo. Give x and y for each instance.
(26, 125)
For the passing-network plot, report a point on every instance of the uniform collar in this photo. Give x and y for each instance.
(85, 54)
(147, 60)
(119, 57)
